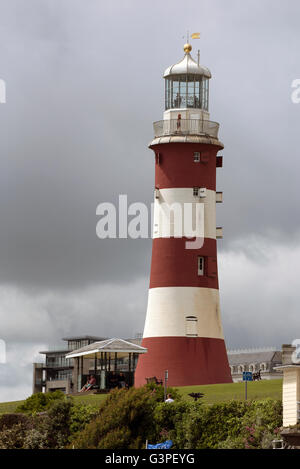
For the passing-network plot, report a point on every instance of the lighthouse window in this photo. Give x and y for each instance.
(191, 326)
(196, 157)
(195, 191)
(197, 93)
(186, 91)
(204, 94)
(176, 94)
(200, 266)
(191, 94)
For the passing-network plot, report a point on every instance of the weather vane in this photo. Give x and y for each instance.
(189, 47)
(193, 36)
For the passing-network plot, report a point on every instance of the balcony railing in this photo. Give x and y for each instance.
(63, 364)
(186, 127)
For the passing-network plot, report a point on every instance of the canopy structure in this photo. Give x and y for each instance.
(120, 346)
(111, 362)
(186, 84)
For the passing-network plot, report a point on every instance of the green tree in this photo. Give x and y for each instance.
(39, 402)
(126, 420)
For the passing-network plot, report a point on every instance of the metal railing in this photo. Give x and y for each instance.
(59, 378)
(62, 364)
(185, 127)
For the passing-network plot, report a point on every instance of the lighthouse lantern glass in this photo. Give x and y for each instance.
(186, 91)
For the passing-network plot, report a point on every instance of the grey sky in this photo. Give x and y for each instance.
(84, 84)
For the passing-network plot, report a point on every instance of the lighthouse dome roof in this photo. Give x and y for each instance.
(187, 66)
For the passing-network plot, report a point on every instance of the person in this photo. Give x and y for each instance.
(169, 398)
(178, 124)
(122, 381)
(113, 380)
(89, 384)
(177, 100)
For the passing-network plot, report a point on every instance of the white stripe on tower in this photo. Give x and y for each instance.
(169, 307)
(170, 197)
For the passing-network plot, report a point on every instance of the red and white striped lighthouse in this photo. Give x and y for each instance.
(183, 331)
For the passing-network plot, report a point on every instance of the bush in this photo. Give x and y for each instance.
(9, 420)
(56, 424)
(35, 439)
(48, 430)
(13, 430)
(125, 421)
(13, 437)
(233, 424)
(168, 418)
(128, 418)
(232, 443)
(39, 402)
(261, 423)
(80, 416)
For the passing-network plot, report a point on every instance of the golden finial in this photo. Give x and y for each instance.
(187, 48)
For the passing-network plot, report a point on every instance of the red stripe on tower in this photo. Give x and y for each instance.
(183, 331)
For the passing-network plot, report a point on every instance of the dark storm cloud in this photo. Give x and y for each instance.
(84, 84)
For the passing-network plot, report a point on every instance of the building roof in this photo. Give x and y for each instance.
(291, 365)
(253, 356)
(54, 352)
(84, 337)
(187, 66)
(120, 346)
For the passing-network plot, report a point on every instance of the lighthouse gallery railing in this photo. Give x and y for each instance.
(186, 127)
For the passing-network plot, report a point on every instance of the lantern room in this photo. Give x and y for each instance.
(187, 88)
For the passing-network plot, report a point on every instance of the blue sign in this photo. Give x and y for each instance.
(247, 376)
(166, 445)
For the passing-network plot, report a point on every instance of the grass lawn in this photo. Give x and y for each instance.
(92, 399)
(212, 393)
(225, 392)
(9, 407)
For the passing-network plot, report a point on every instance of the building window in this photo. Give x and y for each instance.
(195, 191)
(241, 368)
(196, 157)
(202, 192)
(252, 367)
(263, 367)
(191, 326)
(200, 266)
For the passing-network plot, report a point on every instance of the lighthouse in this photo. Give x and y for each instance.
(183, 331)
